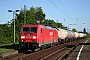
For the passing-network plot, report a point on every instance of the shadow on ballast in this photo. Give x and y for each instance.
(84, 44)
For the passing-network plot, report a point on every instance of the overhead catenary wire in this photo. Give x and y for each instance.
(11, 3)
(67, 10)
(64, 7)
(14, 4)
(20, 7)
(58, 8)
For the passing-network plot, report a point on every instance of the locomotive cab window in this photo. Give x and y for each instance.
(41, 30)
(30, 29)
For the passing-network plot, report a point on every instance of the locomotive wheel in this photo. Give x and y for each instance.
(42, 47)
(59, 40)
(66, 40)
(20, 51)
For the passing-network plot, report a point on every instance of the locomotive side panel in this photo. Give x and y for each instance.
(49, 36)
(55, 35)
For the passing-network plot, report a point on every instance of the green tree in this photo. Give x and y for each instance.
(74, 30)
(6, 35)
(39, 15)
(33, 15)
(84, 30)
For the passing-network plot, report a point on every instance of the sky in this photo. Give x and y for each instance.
(67, 12)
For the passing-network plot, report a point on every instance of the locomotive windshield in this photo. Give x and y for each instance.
(34, 29)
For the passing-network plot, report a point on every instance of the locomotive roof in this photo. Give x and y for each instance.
(28, 25)
(49, 27)
(36, 25)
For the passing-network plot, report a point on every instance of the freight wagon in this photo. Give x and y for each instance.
(62, 35)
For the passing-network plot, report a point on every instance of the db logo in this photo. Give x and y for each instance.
(51, 33)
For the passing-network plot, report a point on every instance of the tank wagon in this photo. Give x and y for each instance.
(35, 36)
(76, 35)
(82, 35)
(68, 35)
(62, 35)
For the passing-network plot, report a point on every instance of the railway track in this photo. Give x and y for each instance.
(59, 54)
(13, 57)
(56, 52)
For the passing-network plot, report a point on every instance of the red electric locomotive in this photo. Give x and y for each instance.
(36, 35)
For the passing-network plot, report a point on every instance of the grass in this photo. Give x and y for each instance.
(8, 48)
(3, 50)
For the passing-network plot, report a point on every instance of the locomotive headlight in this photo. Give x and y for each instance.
(22, 40)
(22, 37)
(34, 37)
